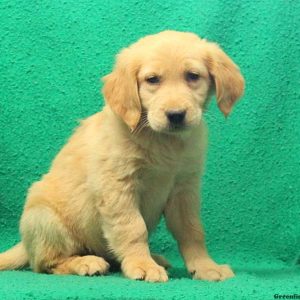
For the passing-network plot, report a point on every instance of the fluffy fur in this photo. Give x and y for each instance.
(126, 166)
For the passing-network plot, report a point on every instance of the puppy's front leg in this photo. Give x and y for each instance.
(182, 219)
(125, 230)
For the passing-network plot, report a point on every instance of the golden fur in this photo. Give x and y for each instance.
(125, 167)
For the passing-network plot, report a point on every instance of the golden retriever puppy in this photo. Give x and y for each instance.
(125, 167)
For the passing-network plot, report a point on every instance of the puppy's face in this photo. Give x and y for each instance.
(164, 81)
(173, 88)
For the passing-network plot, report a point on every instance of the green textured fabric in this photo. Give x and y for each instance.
(52, 54)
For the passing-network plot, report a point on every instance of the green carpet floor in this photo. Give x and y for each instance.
(254, 280)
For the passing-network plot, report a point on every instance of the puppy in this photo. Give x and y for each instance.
(125, 167)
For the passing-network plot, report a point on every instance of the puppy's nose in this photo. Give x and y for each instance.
(176, 117)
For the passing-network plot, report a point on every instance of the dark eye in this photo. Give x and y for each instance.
(153, 79)
(191, 76)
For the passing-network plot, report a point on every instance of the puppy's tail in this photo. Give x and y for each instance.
(14, 258)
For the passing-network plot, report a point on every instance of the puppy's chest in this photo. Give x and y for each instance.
(153, 192)
(156, 177)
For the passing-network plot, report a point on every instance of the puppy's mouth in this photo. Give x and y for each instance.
(177, 128)
(172, 129)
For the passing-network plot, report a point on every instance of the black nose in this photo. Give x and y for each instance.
(176, 117)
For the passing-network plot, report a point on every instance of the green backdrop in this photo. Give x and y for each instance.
(52, 54)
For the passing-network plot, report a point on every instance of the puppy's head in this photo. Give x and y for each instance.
(169, 76)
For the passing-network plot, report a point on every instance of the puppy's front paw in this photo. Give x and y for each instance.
(208, 270)
(143, 269)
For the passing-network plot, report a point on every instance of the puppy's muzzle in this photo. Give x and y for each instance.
(176, 118)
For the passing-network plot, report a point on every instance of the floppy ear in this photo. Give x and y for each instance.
(229, 82)
(121, 91)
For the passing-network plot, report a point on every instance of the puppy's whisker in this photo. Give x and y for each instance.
(139, 127)
(142, 124)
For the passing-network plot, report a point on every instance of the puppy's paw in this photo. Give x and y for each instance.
(88, 265)
(208, 270)
(143, 269)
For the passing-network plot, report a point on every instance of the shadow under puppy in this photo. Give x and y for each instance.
(124, 167)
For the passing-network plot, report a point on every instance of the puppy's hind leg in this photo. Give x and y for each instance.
(51, 247)
(81, 265)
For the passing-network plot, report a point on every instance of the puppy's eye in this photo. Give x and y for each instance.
(153, 79)
(192, 76)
